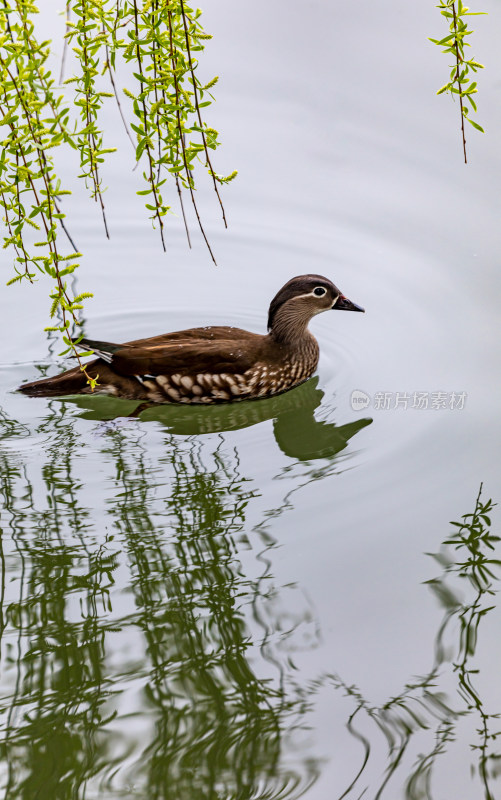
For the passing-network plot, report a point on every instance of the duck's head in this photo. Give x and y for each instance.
(300, 299)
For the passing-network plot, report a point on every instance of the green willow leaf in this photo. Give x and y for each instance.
(459, 84)
(155, 40)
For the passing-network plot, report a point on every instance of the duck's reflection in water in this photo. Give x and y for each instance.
(148, 649)
(147, 654)
(298, 434)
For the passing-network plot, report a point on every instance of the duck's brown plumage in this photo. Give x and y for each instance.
(212, 364)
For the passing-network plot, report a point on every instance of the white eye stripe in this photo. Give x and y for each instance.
(307, 294)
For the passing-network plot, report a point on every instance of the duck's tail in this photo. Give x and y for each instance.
(74, 380)
(71, 382)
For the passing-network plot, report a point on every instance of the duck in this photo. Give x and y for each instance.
(213, 364)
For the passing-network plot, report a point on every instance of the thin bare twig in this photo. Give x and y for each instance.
(110, 70)
(181, 203)
(65, 45)
(65, 229)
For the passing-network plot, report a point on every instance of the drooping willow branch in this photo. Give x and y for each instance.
(454, 43)
(158, 42)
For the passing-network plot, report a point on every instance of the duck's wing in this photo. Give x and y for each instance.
(202, 350)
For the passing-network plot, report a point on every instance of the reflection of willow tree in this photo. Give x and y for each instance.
(467, 556)
(219, 727)
(219, 692)
(54, 713)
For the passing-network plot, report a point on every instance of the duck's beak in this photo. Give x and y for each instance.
(343, 304)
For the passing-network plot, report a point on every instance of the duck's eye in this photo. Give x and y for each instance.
(319, 291)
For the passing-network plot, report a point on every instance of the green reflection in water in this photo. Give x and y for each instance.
(297, 432)
(465, 590)
(218, 726)
(141, 623)
(147, 648)
(57, 627)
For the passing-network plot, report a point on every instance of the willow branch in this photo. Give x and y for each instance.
(458, 78)
(195, 94)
